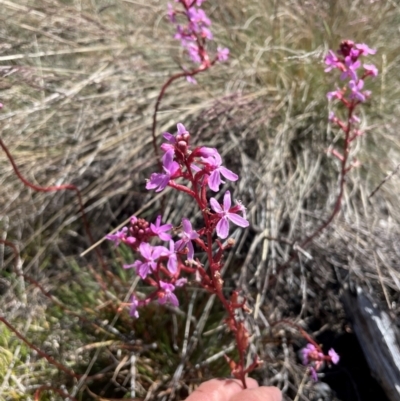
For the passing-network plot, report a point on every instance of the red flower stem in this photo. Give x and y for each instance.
(342, 182)
(170, 80)
(301, 330)
(39, 351)
(215, 268)
(68, 187)
(63, 394)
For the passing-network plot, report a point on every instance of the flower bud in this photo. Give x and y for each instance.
(182, 146)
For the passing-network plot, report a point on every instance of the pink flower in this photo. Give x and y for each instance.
(159, 230)
(334, 94)
(356, 90)
(332, 61)
(167, 294)
(227, 214)
(187, 236)
(193, 51)
(161, 180)
(350, 71)
(314, 358)
(214, 163)
(118, 236)
(150, 255)
(307, 353)
(222, 54)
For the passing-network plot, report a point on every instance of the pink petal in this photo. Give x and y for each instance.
(214, 181)
(215, 205)
(169, 137)
(227, 201)
(172, 264)
(238, 220)
(143, 270)
(173, 299)
(190, 254)
(223, 228)
(187, 226)
(228, 174)
(181, 129)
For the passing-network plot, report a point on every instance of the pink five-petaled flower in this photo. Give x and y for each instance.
(188, 235)
(161, 180)
(222, 54)
(314, 358)
(150, 254)
(167, 295)
(310, 354)
(118, 236)
(351, 68)
(332, 61)
(334, 94)
(159, 229)
(356, 90)
(214, 163)
(227, 214)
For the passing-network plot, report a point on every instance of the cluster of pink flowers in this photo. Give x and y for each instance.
(347, 60)
(351, 95)
(194, 33)
(161, 266)
(313, 357)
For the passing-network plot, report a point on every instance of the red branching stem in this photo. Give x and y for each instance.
(170, 80)
(344, 169)
(216, 279)
(39, 351)
(342, 181)
(39, 286)
(52, 188)
(301, 330)
(63, 394)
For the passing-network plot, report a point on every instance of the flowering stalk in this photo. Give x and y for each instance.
(167, 268)
(312, 354)
(351, 95)
(194, 34)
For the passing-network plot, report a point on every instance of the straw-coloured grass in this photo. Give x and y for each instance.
(79, 80)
